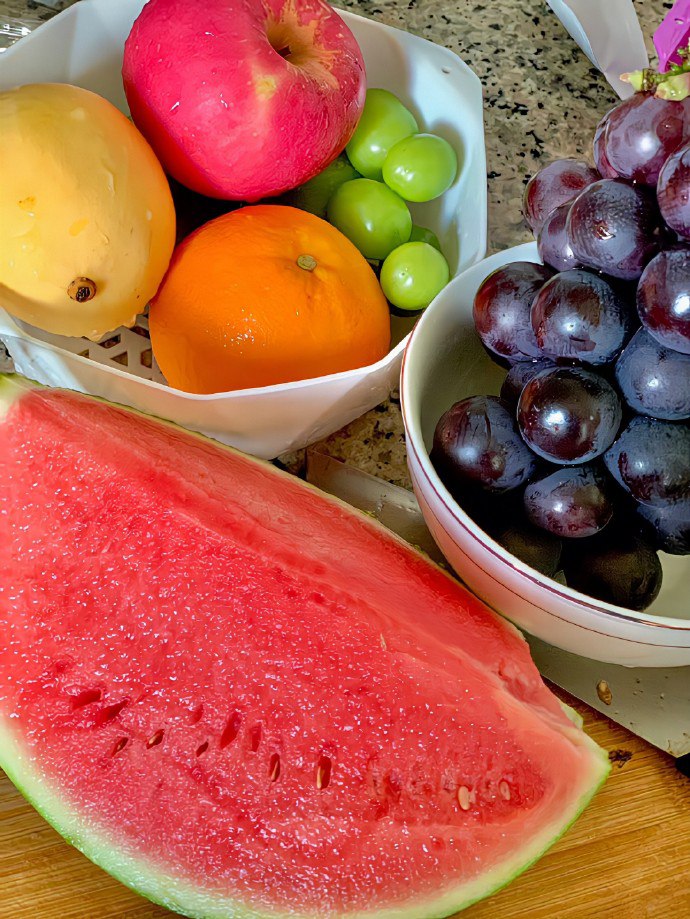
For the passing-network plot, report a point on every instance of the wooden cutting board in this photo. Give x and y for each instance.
(628, 857)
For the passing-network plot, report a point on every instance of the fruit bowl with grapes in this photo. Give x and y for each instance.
(546, 399)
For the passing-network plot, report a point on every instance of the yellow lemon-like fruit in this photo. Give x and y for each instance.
(87, 222)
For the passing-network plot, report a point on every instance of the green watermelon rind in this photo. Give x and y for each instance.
(182, 897)
(147, 879)
(10, 390)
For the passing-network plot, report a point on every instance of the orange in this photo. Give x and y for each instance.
(266, 294)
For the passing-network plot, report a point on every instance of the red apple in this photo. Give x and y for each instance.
(243, 99)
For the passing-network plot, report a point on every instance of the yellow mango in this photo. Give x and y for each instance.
(87, 222)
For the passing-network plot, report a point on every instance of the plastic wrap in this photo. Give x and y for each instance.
(17, 20)
(609, 33)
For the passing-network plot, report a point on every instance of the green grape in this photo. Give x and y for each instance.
(373, 217)
(413, 274)
(423, 235)
(314, 195)
(421, 167)
(384, 122)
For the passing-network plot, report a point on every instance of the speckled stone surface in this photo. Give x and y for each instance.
(542, 101)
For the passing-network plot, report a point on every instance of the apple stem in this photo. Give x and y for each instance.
(307, 262)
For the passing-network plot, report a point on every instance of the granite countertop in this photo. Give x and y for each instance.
(542, 101)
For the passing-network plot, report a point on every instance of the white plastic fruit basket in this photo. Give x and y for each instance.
(84, 46)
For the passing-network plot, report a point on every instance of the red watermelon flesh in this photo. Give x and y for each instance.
(243, 698)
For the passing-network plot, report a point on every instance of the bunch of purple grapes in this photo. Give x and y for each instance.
(582, 466)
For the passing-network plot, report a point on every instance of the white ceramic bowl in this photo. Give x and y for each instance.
(84, 46)
(444, 362)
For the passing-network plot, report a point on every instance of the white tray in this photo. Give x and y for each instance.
(84, 46)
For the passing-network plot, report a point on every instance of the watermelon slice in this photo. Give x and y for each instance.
(242, 698)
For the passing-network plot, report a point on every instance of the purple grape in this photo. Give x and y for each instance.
(668, 528)
(615, 566)
(605, 168)
(552, 242)
(518, 375)
(572, 502)
(476, 442)
(579, 316)
(663, 299)
(501, 310)
(489, 510)
(555, 184)
(502, 517)
(569, 415)
(642, 132)
(673, 191)
(504, 362)
(532, 545)
(654, 380)
(651, 460)
(615, 228)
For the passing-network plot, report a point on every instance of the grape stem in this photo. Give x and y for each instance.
(674, 84)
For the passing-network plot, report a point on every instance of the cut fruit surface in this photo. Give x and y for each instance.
(242, 698)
